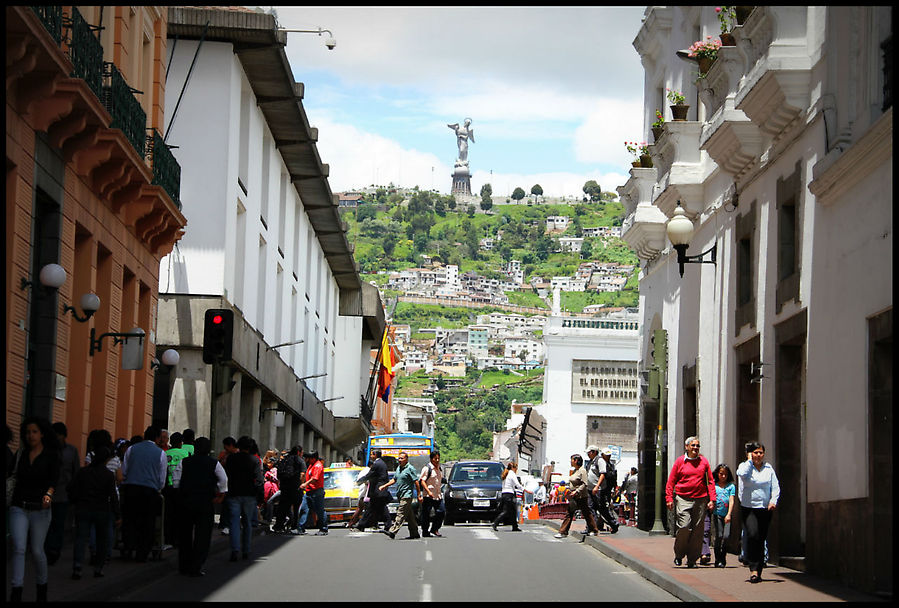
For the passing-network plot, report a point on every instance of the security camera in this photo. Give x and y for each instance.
(330, 43)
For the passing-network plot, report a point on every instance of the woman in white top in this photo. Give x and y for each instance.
(759, 491)
(511, 484)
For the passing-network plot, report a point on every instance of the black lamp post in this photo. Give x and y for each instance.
(680, 231)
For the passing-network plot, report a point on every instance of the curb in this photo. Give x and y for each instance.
(659, 579)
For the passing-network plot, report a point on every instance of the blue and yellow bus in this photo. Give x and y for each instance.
(418, 447)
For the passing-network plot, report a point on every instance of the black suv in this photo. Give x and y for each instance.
(472, 491)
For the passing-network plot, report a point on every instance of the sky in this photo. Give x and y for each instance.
(552, 92)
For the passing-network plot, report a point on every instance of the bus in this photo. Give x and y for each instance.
(418, 447)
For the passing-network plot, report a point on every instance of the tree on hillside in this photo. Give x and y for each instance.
(592, 190)
(486, 197)
(439, 207)
(586, 250)
(518, 194)
(610, 196)
(366, 211)
(451, 203)
(469, 211)
(388, 242)
(537, 190)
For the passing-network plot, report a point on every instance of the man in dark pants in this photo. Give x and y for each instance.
(592, 483)
(144, 470)
(378, 498)
(290, 474)
(607, 481)
(201, 483)
(68, 468)
(430, 497)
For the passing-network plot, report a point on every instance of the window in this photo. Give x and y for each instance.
(745, 260)
(788, 241)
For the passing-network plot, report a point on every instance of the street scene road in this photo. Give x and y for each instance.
(471, 563)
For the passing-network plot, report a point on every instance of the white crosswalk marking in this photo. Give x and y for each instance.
(484, 534)
(426, 593)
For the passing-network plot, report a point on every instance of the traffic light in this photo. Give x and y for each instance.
(218, 332)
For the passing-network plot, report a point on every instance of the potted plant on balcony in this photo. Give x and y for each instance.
(634, 148)
(657, 126)
(679, 108)
(727, 17)
(705, 52)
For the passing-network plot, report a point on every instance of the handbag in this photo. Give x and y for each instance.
(11, 480)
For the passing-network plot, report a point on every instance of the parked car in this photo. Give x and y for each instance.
(472, 491)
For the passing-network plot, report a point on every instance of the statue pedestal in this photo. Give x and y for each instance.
(461, 181)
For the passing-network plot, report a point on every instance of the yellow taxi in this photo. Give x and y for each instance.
(341, 491)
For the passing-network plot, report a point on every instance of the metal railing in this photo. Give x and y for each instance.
(84, 51)
(367, 410)
(166, 170)
(51, 17)
(127, 113)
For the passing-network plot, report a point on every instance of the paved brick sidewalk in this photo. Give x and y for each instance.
(653, 558)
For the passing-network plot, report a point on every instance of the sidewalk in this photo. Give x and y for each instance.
(653, 558)
(120, 575)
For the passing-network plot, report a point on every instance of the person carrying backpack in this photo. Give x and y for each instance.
(290, 475)
(608, 479)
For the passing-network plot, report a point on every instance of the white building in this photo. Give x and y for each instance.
(414, 415)
(568, 284)
(523, 348)
(557, 223)
(571, 243)
(784, 166)
(591, 386)
(267, 243)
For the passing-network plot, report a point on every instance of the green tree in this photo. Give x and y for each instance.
(518, 194)
(586, 250)
(440, 207)
(388, 242)
(469, 211)
(451, 203)
(537, 190)
(366, 211)
(592, 190)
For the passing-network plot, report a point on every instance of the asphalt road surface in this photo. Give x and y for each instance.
(471, 563)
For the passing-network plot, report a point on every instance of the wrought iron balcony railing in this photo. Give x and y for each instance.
(127, 113)
(51, 17)
(367, 410)
(166, 170)
(85, 51)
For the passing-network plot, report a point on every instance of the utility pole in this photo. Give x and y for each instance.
(659, 383)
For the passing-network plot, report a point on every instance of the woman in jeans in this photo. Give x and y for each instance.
(510, 486)
(724, 506)
(29, 514)
(577, 499)
(759, 491)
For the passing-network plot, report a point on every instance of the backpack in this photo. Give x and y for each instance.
(287, 467)
(611, 475)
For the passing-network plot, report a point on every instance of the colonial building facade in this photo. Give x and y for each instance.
(92, 187)
(784, 168)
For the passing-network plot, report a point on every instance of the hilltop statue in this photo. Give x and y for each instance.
(463, 134)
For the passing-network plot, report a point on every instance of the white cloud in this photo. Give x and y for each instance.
(600, 139)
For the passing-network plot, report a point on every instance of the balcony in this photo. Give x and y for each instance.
(680, 167)
(643, 228)
(85, 51)
(166, 170)
(775, 91)
(53, 63)
(127, 113)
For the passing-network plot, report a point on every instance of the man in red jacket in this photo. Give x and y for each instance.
(690, 491)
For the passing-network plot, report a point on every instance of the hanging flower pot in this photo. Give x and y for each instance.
(657, 132)
(646, 161)
(705, 64)
(728, 39)
(679, 112)
(636, 164)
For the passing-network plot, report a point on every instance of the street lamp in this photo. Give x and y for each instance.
(51, 276)
(169, 358)
(680, 231)
(90, 304)
(330, 42)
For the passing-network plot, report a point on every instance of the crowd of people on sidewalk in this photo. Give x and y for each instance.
(148, 494)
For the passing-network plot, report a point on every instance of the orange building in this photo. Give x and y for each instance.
(91, 187)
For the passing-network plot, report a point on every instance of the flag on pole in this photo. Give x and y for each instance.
(387, 361)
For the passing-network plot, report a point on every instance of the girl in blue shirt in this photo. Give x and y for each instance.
(724, 506)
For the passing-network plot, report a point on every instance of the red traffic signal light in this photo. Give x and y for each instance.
(218, 332)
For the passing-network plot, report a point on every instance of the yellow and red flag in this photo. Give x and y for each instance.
(387, 361)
